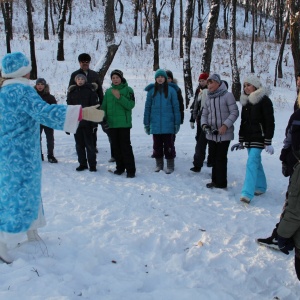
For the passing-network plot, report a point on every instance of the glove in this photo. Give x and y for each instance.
(207, 129)
(92, 114)
(238, 146)
(192, 124)
(285, 244)
(269, 149)
(285, 170)
(177, 127)
(147, 129)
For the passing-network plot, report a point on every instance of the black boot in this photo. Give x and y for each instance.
(159, 164)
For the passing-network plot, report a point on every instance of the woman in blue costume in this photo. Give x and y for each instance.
(21, 113)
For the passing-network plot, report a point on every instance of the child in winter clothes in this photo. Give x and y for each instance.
(118, 104)
(42, 89)
(219, 114)
(83, 93)
(256, 133)
(162, 119)
(22, 111)
(201, 140)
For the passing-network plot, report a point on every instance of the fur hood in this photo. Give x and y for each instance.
(256, 96)
(46, 90)
(93, 86)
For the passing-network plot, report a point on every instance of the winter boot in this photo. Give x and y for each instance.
(159, 164)
(4, 255)
(170, 166)
(32, 236)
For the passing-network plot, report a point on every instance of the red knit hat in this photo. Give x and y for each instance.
(203, 76)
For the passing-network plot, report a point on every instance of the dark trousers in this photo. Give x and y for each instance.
(49, 132)
(163, 145)
(122, 149)
(200, 150)
(218, 154)
(85, 147)
(105, 129)
(297, 262)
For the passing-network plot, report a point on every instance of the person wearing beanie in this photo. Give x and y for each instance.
(22, 111)
(256, 133)
(196, 111)
(218, 116)
(84, 94)
(118, 103)
(42, 89)
(162, 119)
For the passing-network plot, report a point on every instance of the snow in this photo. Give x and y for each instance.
(156, 236)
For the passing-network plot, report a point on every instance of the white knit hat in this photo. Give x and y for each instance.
(15, 65)
(252, 79)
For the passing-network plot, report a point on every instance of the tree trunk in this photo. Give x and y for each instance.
(246, 20)
(122, 11)
(280, 55)
(112, 48)
(136, 16)
(187, 39)
(225, 21)
(46, 32)
(294, 34)
(51, 18)
(61, 30)
(172, 15)
(252, 39)
(236, 83)
(70, 12)
(33, 73)
(210, 36)
(181, 30)
(6, 11)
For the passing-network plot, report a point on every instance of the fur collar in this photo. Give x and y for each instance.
(21, 80)
(255, 96)
(93, 86)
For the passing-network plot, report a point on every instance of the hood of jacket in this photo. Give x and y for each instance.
(93, 86)
(255, 96)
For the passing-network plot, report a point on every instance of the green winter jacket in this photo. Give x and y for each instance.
(118, 111)
(289, 225)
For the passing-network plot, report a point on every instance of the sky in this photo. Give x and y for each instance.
(155, 236)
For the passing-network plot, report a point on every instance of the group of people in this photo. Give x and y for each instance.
(26, 112)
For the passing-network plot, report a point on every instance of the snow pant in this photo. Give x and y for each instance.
(218, 154)
(122, 149)
(49, 132)
(85, 146)
(163, 146)
(200, 150)
(95, 130)
(255, 179)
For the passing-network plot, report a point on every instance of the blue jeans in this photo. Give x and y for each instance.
(255, 179)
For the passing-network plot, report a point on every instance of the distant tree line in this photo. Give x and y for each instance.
(146, 15)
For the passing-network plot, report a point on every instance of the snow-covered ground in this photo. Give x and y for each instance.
(156, 236)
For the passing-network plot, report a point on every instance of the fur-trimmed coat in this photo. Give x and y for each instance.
(257, 119)
(46, 96)
(21, 112)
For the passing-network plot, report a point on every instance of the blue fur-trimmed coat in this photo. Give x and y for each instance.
(161, 113)
(257, 119)
(22, 111)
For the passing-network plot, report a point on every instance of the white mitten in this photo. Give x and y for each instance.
(93, 114)
(269, 149)
(192, 125)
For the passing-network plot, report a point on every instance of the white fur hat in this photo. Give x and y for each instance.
(252, 79)
(15, 65)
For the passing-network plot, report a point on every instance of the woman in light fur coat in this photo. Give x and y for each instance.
(256, 133)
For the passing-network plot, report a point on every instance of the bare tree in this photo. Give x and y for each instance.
(33, 73)
(253, 38)
(180, 29)
(51, 17)
(210, 35)
(46, 32)
(6, 7)
(294, 33)
(172, 15)
(61, 30)
(70, 12)
(122, 11)
(278, 67)
(111, 45)
(187, 39)
(236, 83)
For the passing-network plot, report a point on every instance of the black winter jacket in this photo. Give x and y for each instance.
(257, 120)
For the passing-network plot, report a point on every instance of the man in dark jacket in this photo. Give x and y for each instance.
(84, 60)
(42, 89)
